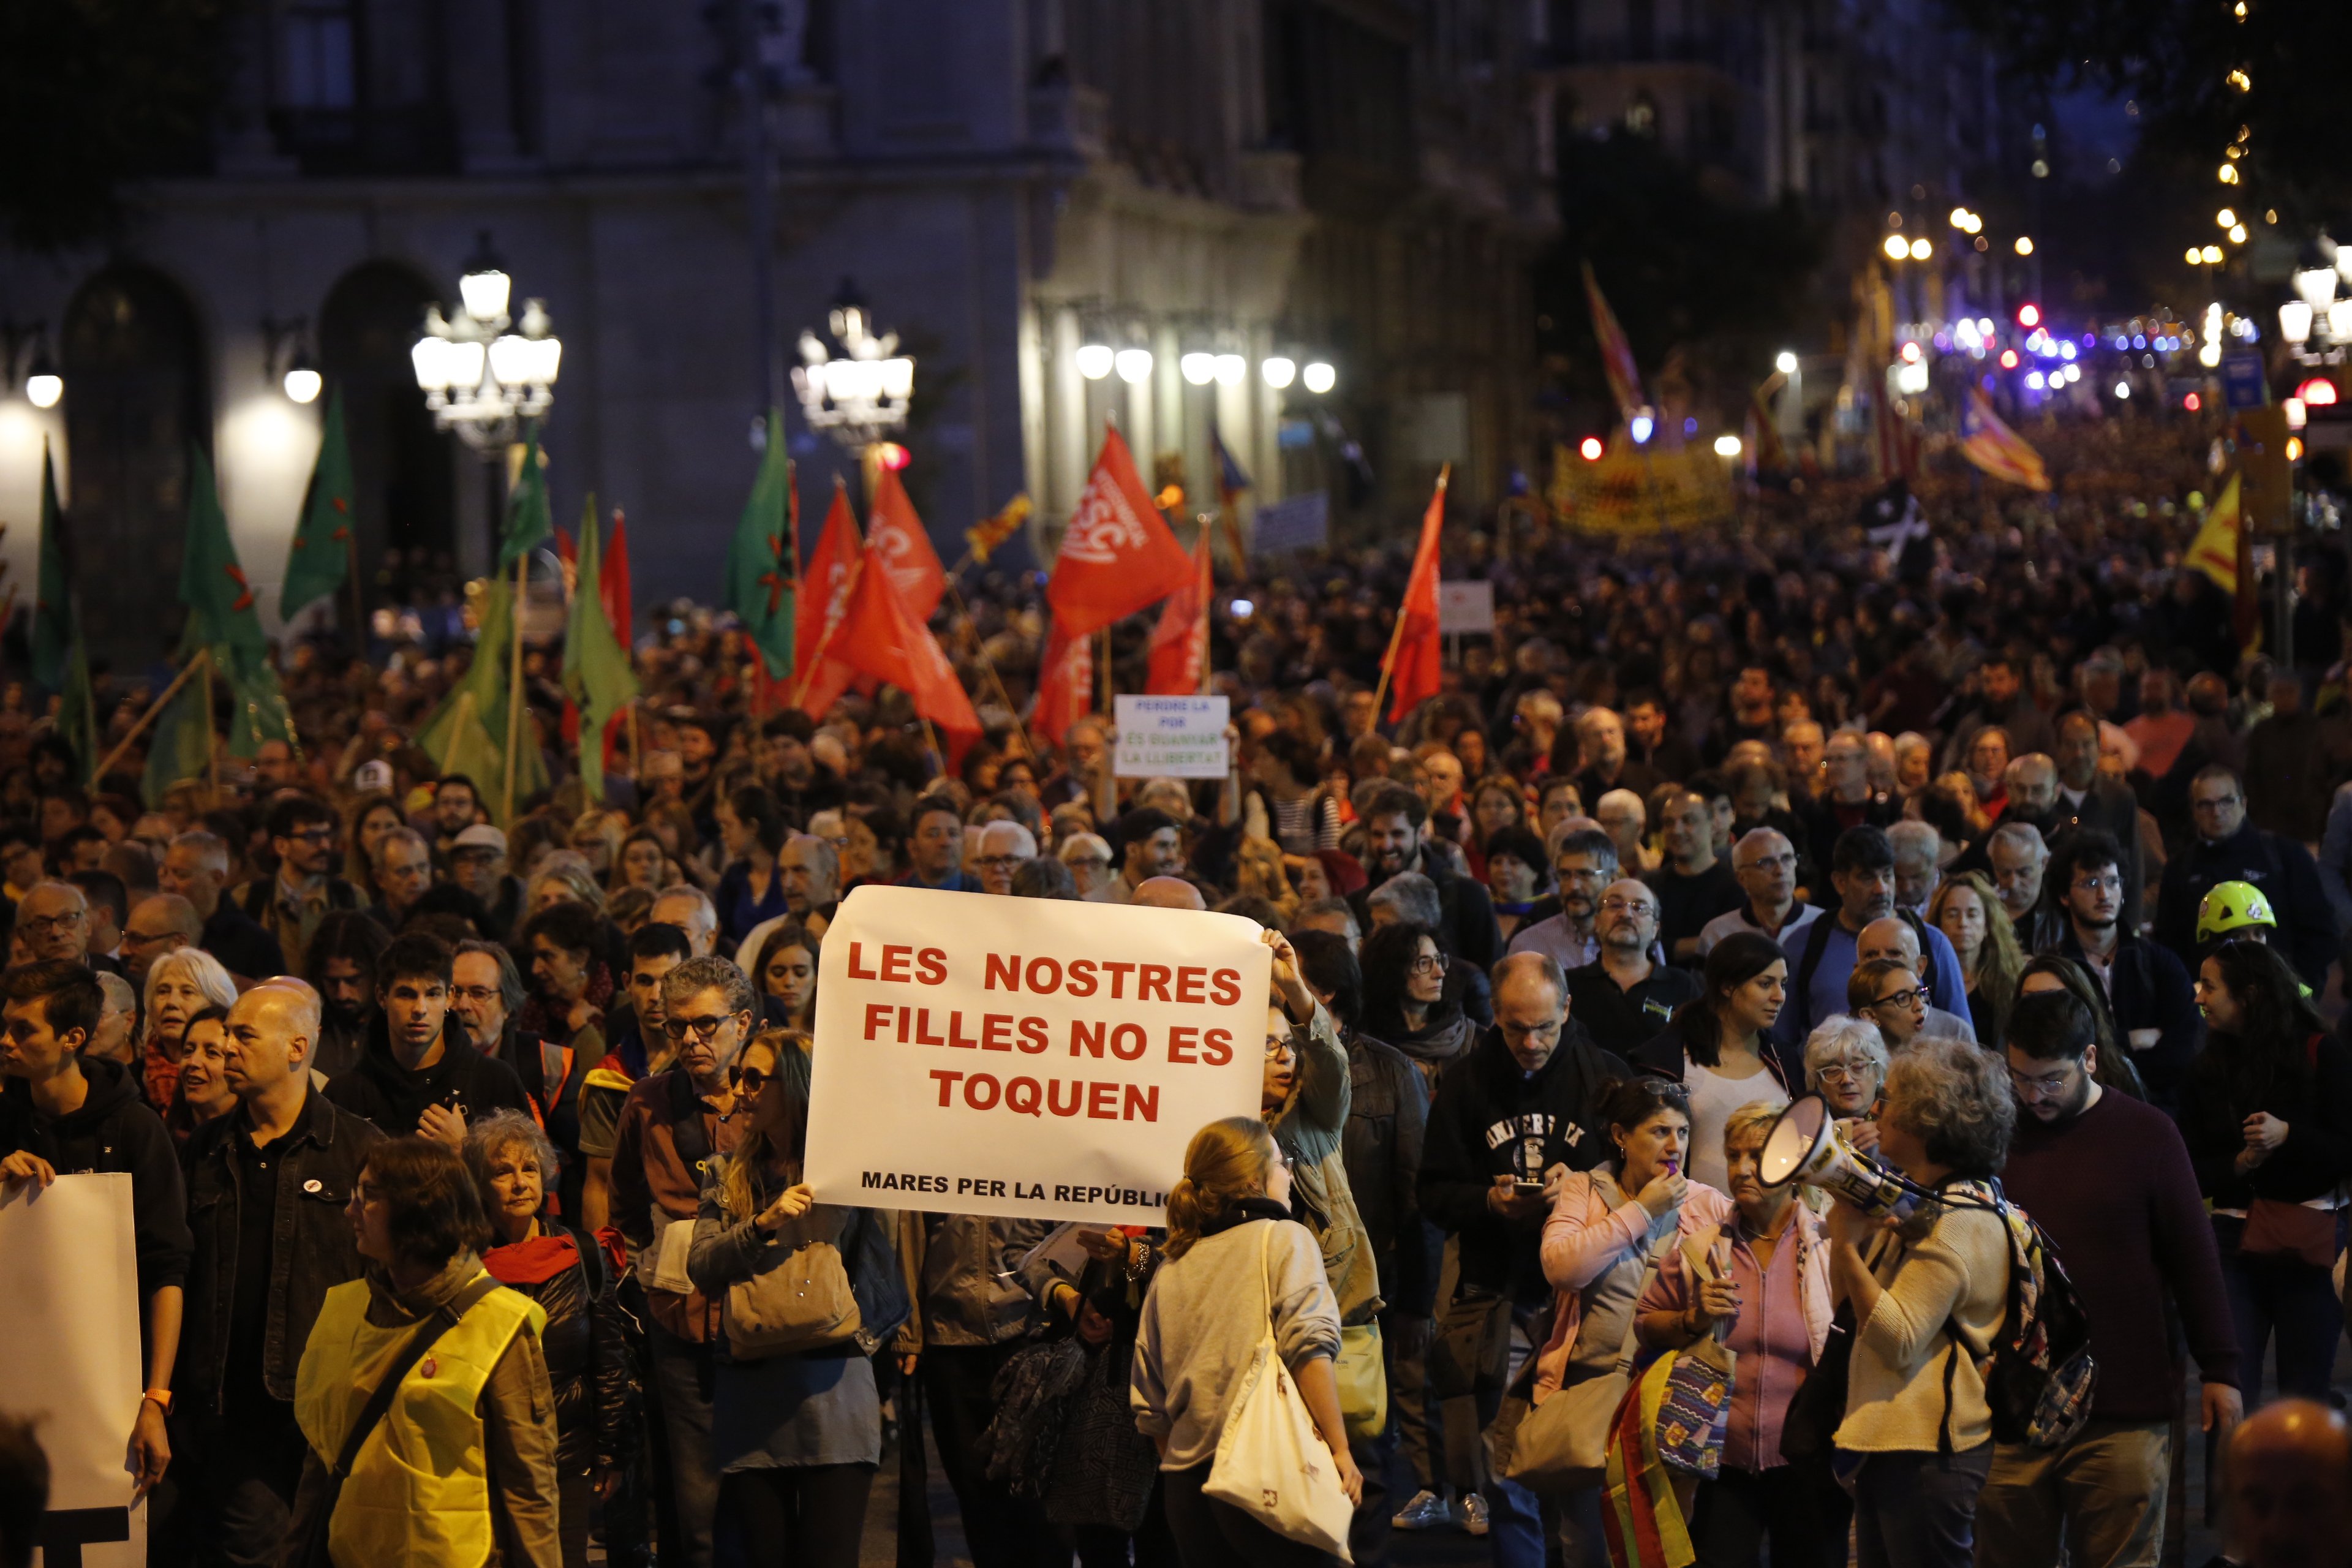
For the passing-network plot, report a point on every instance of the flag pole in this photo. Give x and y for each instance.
(514, 693)
(212, 752)
(931, 740)
(1102, 663)
(359, 611)
(154, 710)
(1396, 633)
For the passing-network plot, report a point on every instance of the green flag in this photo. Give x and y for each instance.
(77, 711)
(257, 709)
(320, 560)
(760, 585)
(596, 673)
(212, 582)
(471, 725)
(527, 525)
(54, 633)
(180, 747)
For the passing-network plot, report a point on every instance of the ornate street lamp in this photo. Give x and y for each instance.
(853, 383)
(481, 378)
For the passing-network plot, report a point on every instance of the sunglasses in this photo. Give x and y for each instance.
(751, 1080)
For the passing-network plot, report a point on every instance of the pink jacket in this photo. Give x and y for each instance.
(1583, 1239)
(1672, 1292)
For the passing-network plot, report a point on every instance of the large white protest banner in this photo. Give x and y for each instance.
(1033, 1057)
(70, 1319)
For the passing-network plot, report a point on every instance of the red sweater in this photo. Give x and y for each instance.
(2115, 1190)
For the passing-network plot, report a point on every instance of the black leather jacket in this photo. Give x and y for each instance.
(588, 1363)
(311, 1251)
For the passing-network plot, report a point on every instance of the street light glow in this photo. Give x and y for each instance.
(2024, 245)
(1279, 371)
(1921, 250)
(2226, 218)
(1727, 446)
(1591, 449)
(1318, 377)
(1786, 363)
(1093, 361)
(1134, 366)
(1198, 368)
(1896, 250)
(304, 384)
(43, 388)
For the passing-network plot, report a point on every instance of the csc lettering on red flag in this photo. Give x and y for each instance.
(1026, 1057)
(1117, 556)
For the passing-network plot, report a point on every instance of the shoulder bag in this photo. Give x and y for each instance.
(1270, 1462)
(1561, 1444)
(313, 1553)
(799, 1301)
(1698, 1393)
(2281, 1230)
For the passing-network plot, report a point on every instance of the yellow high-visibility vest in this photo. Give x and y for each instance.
(418, 1495)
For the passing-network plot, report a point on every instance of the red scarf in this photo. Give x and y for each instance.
(531, 1262)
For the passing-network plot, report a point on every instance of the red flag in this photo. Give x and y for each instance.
(896, 537)
(1415, 656)
(1117, 556)
(832, 573)
(1065, 685)
(612, 580)
(878, 636)
(1180, 643)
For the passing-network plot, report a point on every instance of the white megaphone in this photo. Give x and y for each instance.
(1807, 1146)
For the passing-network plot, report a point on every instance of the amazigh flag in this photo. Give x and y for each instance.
(1616, 354)
(1416, 655)
(320, 559)
(613, 581)
(596, 673)
(221, 616)
(1116, 555)
(528, 523)
(181, 745)
(1995, 447)
(1065, 685)
(880, 638)
(2223, 550)
(1180, 643)
(758, 585)
(896, 541)
(54, 633)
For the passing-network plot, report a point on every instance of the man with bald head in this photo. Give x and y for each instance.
(1894, 938)
(1625, 998)
(267, 1186)
(1511, 1118)
(1168, 893)
(2287, 1486)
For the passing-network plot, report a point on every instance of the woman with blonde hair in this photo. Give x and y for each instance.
(796, 1436)
(180, 985)
(1967, 910)
(1224, 1271)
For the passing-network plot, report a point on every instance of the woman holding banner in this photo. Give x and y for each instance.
(795, 1435)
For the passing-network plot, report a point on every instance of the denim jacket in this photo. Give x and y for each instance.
(311, 1251)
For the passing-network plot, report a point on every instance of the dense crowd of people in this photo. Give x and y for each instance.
(2007, 855)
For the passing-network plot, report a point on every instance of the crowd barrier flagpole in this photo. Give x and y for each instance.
(154, 710)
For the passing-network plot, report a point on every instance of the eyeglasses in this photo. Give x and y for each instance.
(1841, 1072)
(142, 938)
(1278, 1046)
(1428, 964)
(703, 1028)
(41, 925)
(751, 1080)
(1916, 997)
(1001, 862)
(2110, 883)
(313, 835)
(475, 993)
(1772, 863)
(2051, 1083)
(1092, 862)
(2216, 804)
(1628, 907)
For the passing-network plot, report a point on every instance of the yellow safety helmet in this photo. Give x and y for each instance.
(2232, 907)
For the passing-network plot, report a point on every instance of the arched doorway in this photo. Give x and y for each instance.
(135, 401)
(402, 468)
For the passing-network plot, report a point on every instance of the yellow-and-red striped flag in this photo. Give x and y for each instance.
(1616, 354)
(1996, 449)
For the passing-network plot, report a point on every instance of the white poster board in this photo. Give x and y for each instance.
(1465, 606)
(1034, 1057)
(1171, 737)
(69, 1317)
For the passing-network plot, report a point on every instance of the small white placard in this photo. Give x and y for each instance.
(1171, 737)
(1465, 606)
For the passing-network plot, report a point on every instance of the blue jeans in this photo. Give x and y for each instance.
(1918, 1509)
(680, 1382)
(2286, 1299)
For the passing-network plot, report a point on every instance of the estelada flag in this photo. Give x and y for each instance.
(1180, 643)
(878, 636)
(826, 583)
(1065, 685)
(1117, 556)
(1616, 353)
(896, 541)
(1416, 656)
(1995, 447)
(2223, 550)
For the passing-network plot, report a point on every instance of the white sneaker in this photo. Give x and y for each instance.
(1473, 1513)
(1427, 1510)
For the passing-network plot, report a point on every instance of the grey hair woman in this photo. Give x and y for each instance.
(1845, 1064)
(1929, 1299)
